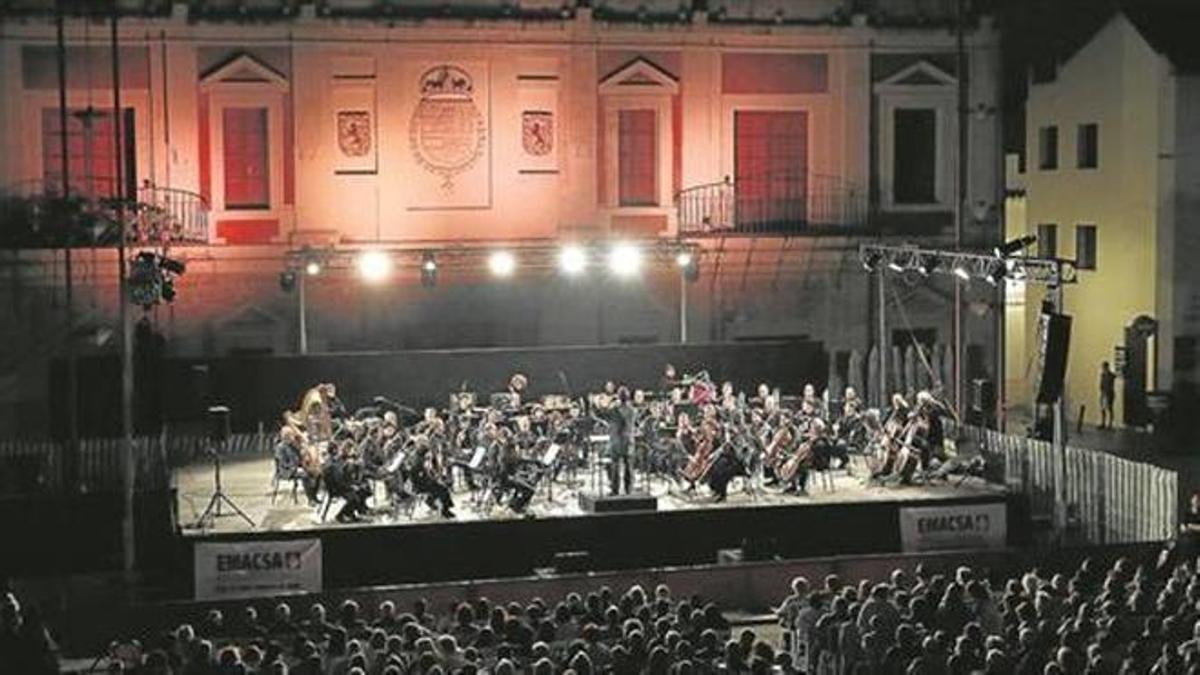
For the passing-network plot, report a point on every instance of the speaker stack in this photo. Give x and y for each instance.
(1054, 339)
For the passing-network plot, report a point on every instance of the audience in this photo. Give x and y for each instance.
(1124, 620)
(1127, 619)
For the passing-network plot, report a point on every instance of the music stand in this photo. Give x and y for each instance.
(218, 440)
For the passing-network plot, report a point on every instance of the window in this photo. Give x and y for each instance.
(92, 169)
(770, 167)
(1087, 146)
(1047, 235)
(914, 156)
(637, 156)
(1048, 148)
(247, 180)
(1085, 247)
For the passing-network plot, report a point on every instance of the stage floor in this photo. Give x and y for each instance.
(247, 481)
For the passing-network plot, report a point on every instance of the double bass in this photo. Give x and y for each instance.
(705, 455)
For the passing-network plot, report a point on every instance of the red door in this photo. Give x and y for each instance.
(771, 169)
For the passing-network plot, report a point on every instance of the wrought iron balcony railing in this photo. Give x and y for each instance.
(35, 215)
(779, 203)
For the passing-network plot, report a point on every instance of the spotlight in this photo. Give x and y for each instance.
(502, 263)
(996, 275)
(1015, 246)
(927, 265)
(962, 273)
(374, 266)
(870, 261)
(287, 280)
(428, 270)
(168, 290)
(684, 259)
(572, 260)
(895, 266)
(624, 260)
(312, 268)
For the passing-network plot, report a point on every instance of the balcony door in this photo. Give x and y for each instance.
(771, 169)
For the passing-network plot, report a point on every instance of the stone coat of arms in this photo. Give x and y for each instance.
(354, 132)
(537, 132)
(447, 131)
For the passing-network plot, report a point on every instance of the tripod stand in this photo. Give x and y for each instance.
(213, 510)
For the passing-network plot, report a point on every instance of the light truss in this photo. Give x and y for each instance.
(967, 265)
(536, 254)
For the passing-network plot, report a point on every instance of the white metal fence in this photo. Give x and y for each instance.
(1109, 500)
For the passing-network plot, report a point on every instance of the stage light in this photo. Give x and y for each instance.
(684, 259)
(870, 261)
(895, 266)
(962, 273)
(168, 290)
(374, 266)
(312, 268)
(572, 260)
(1015, 246)
(996, 274)
(429, 270)
(502, 263)
(927, 265)
(287, 280)
(624, 260)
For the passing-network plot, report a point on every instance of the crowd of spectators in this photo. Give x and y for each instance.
(1124, 619)
(600, 632)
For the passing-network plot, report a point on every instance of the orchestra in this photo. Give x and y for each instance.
(688, 435)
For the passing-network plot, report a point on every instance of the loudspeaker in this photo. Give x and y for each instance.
(615, 503)
(1054, 339)
(219, 429)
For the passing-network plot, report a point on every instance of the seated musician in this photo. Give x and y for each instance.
(517, 385)
(669, 379)
(344, 478)
(423, 474)
(932, 436)
(513, 480)
(289, 461)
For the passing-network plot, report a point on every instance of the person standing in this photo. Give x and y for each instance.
(621, 418)
(1108, 385)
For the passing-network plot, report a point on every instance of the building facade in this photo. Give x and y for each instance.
(1111, 181)
(770, 140)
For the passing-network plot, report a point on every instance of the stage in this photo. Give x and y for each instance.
(844, 517)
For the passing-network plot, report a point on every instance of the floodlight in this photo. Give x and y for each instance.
(502, 263)
(1015, 246)
(625, 260)
(572, 260)
(374, 266)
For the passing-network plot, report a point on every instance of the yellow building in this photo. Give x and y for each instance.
(1111, 180)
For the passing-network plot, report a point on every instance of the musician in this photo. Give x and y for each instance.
(289, 459)
(517, 385)
(318, 408)
(344, 478)
(512, 476)
(669, 379)
(621, 418)
(425, 475)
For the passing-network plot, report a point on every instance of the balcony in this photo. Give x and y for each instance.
(776, 204)
(32, 216)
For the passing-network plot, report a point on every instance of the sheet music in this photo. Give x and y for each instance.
(394, 465)
(551, 454)
(477, 458)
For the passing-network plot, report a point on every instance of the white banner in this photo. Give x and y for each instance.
(254, 569)
(957, 526)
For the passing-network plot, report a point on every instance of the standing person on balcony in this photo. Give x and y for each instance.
(1108, 386)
